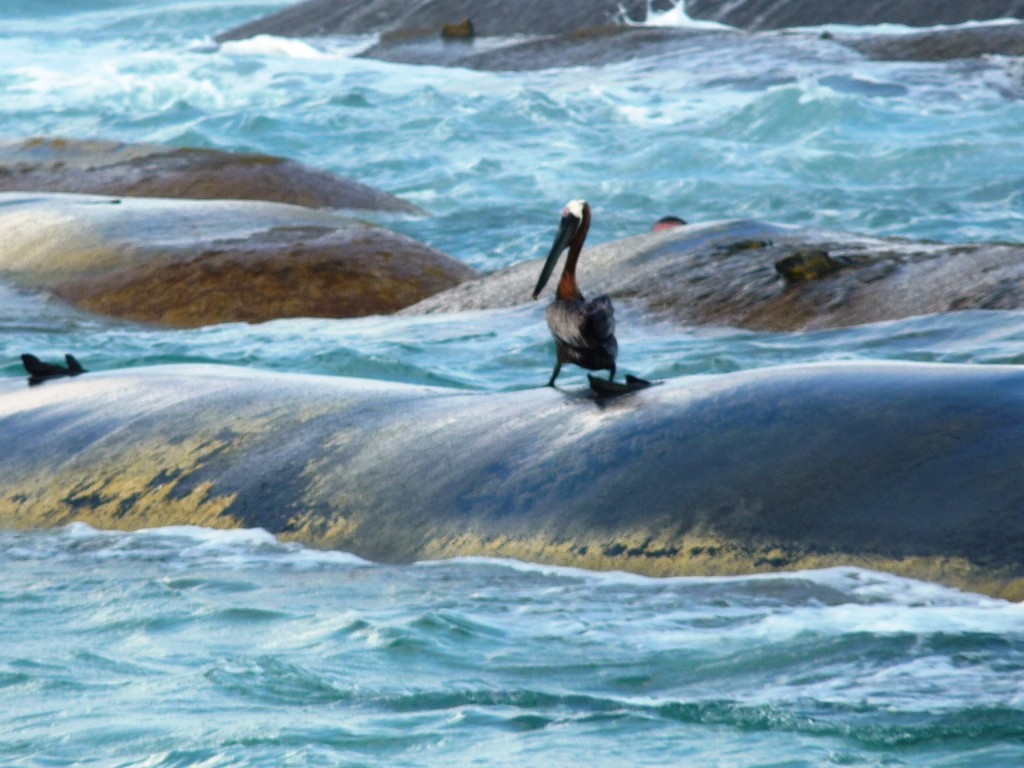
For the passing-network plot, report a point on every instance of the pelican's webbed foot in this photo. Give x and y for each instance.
(608, 388)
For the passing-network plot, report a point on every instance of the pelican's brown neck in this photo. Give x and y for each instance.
(567, 288)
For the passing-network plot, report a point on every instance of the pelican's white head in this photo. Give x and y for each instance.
(574, 208)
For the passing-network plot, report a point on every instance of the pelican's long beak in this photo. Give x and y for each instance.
(566, 231)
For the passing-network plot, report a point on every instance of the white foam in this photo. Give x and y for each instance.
(189, 543)
(293, 48)
(866, 30)
(271, 45)
(676, 16)
(862, 585)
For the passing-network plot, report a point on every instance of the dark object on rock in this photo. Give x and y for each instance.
(40, 371)
(461, 31)
(605, 388)
(150, 170)
(584, 330)
(812, 264)
(667, 222)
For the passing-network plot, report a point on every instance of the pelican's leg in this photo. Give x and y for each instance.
(554, 373)
(612, 374)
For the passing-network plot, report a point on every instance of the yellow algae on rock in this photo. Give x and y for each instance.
(709, 556)
(132, 487)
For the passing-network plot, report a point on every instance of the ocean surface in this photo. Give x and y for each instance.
(190, 647)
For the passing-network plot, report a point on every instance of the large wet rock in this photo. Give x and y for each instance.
(726, 273)
(317, 18)
(151, 170)
(189, 263)
(895, 466)
(583, 32)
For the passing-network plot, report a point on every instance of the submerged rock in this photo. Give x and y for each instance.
(726, 273)
(189, 263)
(151, 170)
(893, 466)
(778, 14)
(942, 44)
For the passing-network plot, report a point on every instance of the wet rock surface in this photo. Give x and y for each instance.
(584, 33)
(592, 46)
(725, 273)
(892, 466)
(151, 170)
(316, 18)
(943, 45)
(188, 263)
(778, 14)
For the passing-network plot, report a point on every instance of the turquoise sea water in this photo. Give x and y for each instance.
(186, 647)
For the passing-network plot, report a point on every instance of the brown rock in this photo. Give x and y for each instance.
(150, 170)
(192, 263)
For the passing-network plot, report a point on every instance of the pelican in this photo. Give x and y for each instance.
(584, 330)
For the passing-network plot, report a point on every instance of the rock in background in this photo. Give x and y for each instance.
(188, 263)
(585, 32)
(151, 170)
(754, 275)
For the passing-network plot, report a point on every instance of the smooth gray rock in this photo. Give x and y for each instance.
(725, 273)
(317, 18)
(904, 467)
